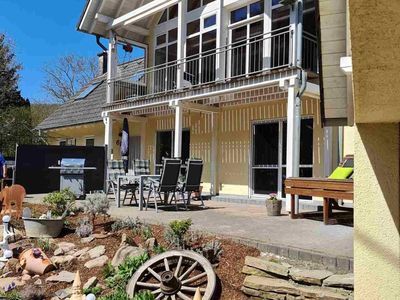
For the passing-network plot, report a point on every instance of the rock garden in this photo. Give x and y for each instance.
(116, 259)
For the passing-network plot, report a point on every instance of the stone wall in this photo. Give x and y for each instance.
(271, 279)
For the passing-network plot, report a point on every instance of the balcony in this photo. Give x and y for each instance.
(243, 59)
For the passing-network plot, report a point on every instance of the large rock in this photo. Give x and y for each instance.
(262, 294)
(64, 247)
(273, 285)
(62, 260)
(63, 276)
(309, 276)
(125, 251)
(267, 266)
(254, 271)
(344, 281)
(97, 251)
(81, 252)
(92, 281)
(314, 292)
(97, 262)
(64, 293)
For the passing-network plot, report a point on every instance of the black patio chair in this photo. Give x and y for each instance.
(192, 180)
(167, 183)
(115, 168)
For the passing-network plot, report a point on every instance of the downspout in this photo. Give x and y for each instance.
(100, 44)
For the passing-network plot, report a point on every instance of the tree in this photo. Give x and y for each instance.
(9, 68)
(65, 77)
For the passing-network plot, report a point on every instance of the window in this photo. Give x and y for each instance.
(256, 8)
(210, 21)
(239, 15)
(193, 4)
(165, 145)
(63, 143)
(193, 27)
(161, 39)
(169, 14)
(89, 142)
(88, 90)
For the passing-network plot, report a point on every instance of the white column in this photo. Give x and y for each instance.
(221, 40)
(181, 42)
(267, 34)
(178, 130)
(293, 37)
(328, 150)
(108, 138)
(143, 140)
(293, 136)
(214, 153)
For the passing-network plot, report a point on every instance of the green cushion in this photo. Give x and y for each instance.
(341, 173)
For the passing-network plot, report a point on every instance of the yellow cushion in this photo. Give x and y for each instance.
(341, 173)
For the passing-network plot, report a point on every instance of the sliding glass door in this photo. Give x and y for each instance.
(268, 168)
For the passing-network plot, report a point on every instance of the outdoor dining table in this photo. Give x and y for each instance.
(138, 178)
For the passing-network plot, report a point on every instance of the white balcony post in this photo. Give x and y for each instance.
(178, 130)
(293, 136)
(108, 138)
(214, 153)
(181, 42)
(267, 35)
(293, 34)
(221, 41)
(111, 65)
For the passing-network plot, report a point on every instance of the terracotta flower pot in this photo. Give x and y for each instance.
(274, 207)
(35, 264)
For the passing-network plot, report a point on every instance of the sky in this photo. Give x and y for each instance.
(42, 31)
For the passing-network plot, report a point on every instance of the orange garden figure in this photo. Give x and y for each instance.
(13, 194)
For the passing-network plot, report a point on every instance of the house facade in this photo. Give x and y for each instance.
(236, 83)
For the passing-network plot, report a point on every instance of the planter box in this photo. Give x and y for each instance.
(43, 228)
(274, 207)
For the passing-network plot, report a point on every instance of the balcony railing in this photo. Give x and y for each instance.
(244, 58)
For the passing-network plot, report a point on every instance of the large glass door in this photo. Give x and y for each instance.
(268, 168)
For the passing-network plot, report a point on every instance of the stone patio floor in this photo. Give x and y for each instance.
(249, 222)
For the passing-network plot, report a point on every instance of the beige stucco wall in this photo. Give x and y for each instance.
(377, 206)
(234, 139)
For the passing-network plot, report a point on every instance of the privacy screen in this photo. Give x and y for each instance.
(33, 162)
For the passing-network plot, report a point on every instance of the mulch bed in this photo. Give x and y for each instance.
(228, 270)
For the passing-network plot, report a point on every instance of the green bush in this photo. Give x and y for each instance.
(11, 295)
(146, 295)
(122, 295)
(119, 277)
(176, 232)
(93, 290)
(158, 249)
(59, 201)
(44, 244)
(146, 232)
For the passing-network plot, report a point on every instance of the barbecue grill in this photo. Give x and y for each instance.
(72, 171)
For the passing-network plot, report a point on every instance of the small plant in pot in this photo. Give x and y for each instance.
(50, 224)
(274, 205)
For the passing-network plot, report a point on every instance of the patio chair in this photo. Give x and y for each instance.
(167, 183)
(141, 167)
(116, 168)
(192, 181)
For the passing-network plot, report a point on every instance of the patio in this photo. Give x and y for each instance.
(305, 239)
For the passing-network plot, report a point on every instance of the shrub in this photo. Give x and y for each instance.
(95, 205)
(127, 223)
(146, 232)
(59, 202)
(11, 295)
(125, 271)
(108, 270)
(176, 232)
(158, 249)
(212, 251)
(44, 244)
(93, 290)
(145, 295)
(116, 295)
(84, 228)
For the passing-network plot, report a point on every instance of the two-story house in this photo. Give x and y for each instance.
(236, 83)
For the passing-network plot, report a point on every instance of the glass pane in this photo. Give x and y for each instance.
(239, 14)
(238, 52)
(160, 75)
(210, 21)
(193, 27)
(164, 145)
(303, 172)
(265, 181)
(306, 142)
(207, 1)
(161, 39)
(163, 17)
(266, 144)
(89, 142)
(280, 17)
(172, 35)
(256, 8)
(185, 148)
(208, 62)
(275, 2)
(173, 12)
(161, 56)
(256, 46)
(192, 66)
(193, 4)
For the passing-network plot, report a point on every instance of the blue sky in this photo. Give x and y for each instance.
(42, 31)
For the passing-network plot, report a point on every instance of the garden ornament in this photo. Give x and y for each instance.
(7, 253)
(77, 293)
(15, 193)
(35, 261)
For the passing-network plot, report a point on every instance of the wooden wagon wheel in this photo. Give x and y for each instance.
(175, 275)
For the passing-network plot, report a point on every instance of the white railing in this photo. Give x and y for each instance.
(243, 58)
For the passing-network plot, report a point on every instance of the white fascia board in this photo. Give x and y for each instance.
(312, 90)
(141, 13)
(107, 20)
(346, 64)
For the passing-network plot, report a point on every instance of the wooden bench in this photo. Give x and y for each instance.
(330, 190)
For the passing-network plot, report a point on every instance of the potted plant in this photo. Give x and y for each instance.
(51, 223)
(274, 205)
